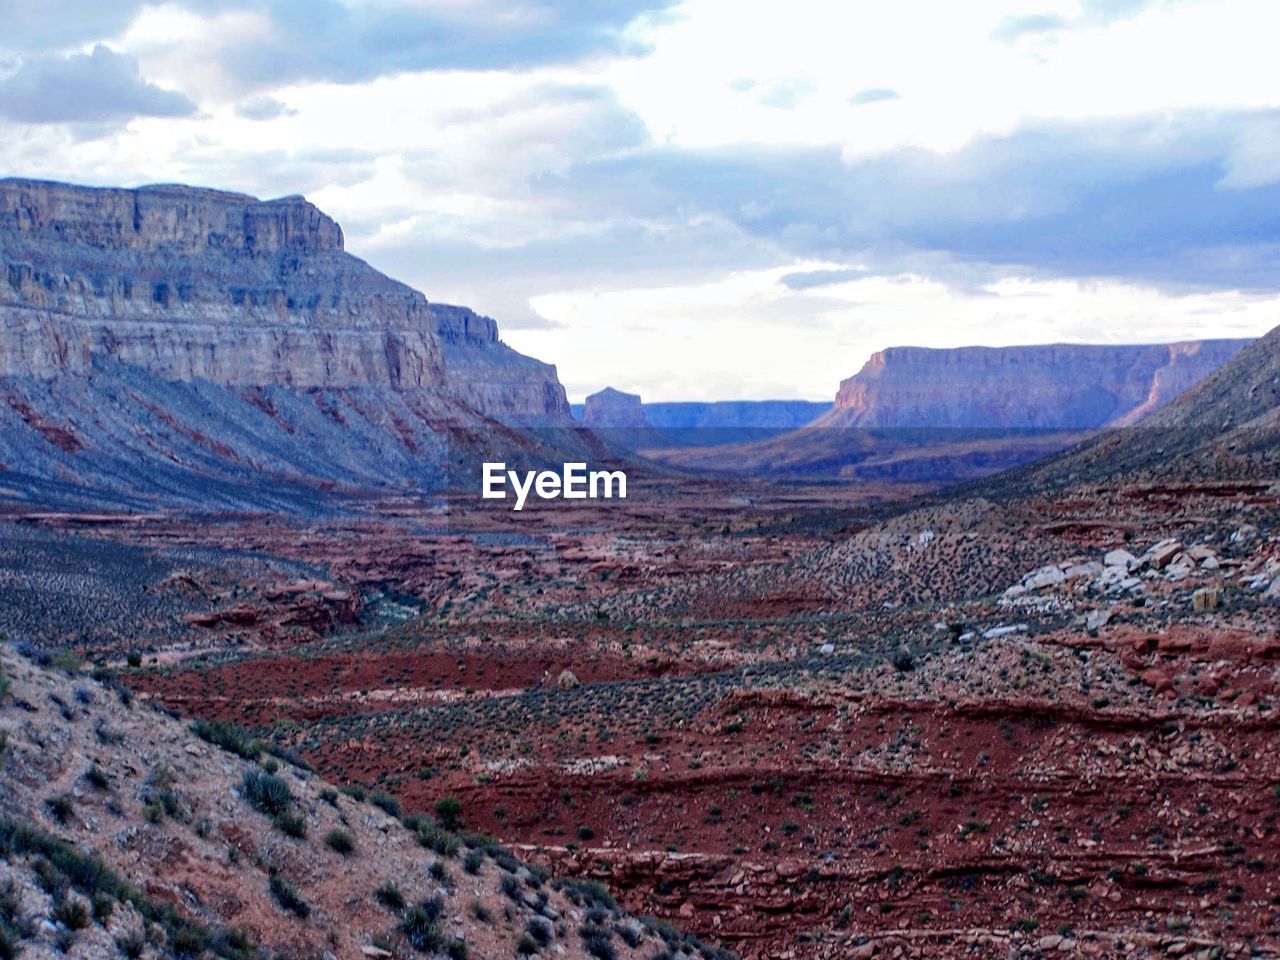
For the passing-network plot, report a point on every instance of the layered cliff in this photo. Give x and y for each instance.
(937, 416)
(167, 332)
(1057, 386)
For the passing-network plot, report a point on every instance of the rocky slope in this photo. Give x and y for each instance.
(923, 415)
(201, 346)
(124, 834)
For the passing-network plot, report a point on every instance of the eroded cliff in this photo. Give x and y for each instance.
(153, 336)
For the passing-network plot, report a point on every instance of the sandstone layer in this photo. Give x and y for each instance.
(1055, 386)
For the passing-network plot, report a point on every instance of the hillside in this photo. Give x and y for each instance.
(124, 834)
(195, 348)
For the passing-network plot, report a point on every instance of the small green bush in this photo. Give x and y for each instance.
(291, 824)
(421, 926)
(387, 803)
(389, 896)
(449, 810)
(340, 841)
(60, 806)
(266, 792)
(288, 897)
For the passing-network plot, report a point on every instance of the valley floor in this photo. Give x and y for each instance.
(796, 721)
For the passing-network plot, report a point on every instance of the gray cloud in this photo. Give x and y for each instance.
(329, 40)
(32, 26)
(1139, 199)
(86, 88)
(263, 108)
(810, 279)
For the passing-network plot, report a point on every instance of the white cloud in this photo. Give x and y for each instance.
(747, 335)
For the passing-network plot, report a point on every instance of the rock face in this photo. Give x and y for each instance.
(613, 409)
(154, 336)
(1059, 386)
(1227, 427)
(205, 285)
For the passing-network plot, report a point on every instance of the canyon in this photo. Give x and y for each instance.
(276, 680)
(914, 414)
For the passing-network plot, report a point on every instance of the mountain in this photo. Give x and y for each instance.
(610, 409)
(715, 422)
(1225, 429)
(203, 348)
(126, 833)
(943, 415)
(1054, 387)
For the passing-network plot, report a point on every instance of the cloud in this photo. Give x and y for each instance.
(808, 279)
(32, 26)
(1141, 199)
(1014, 28)
(263, 108)
(787, 94)
(300, 41)
(86, 88)
(873, 95)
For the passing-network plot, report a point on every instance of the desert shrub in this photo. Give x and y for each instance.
(291, 824)
(288, 897)
(68, 661)
(329, 796)
(598, 942)
(588, 893)
(441, 841)
(354, 791)
(387, 803)
(511, 887)
(449, 810)
(266, 792)
(4, 684)
(60, 806)
(541, 929)
(421, 926)
(389, 896)
(103, 907)
(229, 737)
(473, 861)
(131, 944)
(340, 841)
(526, 946)
(97, 778)
(71, 913)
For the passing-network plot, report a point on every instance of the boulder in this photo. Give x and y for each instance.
(1162, 554)
(1205, 599)
(1119, 558)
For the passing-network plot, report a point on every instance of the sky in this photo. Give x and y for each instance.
(711, 199)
